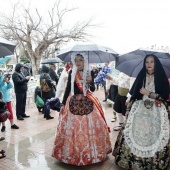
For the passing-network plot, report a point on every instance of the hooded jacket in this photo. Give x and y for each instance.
(20, 82)
(4, 88)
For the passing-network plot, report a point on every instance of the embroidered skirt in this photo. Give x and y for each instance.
(144, 142)
(81, 139)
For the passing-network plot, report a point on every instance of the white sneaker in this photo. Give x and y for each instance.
(117, 128)
(113, 119)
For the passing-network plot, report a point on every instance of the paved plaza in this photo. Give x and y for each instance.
(30, 147)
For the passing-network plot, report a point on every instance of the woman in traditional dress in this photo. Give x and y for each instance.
(82, 136)
(144, 142)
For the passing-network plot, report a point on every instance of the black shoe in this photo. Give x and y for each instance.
(3, 129)
(25, 116)
(49, 117)
(2, 138)
(14, 126)
(20, 118)
(2, 156)
(39, 109)
(2, 151)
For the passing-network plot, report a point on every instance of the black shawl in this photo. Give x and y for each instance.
(160, 80)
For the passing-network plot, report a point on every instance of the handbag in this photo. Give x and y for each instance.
(39, 101)
(4, 116)
(54, 104)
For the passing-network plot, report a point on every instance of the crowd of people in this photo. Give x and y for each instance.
(82, 137)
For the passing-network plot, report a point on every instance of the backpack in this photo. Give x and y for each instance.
(44, 86)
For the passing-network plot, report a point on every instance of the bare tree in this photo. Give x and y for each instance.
(34, 34)
(165, 48)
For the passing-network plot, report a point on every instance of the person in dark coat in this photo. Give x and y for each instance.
(20, 86)
(26, 70)
(53, 74)
(47, 95)
(95, 71)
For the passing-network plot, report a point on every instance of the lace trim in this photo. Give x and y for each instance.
(86, 72)
(160, 115)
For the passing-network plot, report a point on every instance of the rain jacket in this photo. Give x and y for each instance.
(5, 89)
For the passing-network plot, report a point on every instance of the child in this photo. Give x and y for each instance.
(5, 86)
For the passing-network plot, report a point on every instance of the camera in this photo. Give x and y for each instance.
(8, 76)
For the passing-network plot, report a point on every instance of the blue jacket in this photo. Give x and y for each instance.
(5, 88)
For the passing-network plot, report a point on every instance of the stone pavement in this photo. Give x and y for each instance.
(30, 147)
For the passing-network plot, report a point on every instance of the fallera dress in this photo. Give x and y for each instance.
(144, 143)
(82, 136)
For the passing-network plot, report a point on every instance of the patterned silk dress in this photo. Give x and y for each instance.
(82, 136)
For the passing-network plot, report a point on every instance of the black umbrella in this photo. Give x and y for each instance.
(4, 51)
(95, 53)
(131, 63)
(6, 47)
(51, 61)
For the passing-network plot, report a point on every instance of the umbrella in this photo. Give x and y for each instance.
(6, 47)
(131, 63)
(4, 51)
(51, 61)
(95, 53)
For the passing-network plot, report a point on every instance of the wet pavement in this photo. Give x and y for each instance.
(30, 147)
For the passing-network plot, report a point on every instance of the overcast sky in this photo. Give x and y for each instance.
(125, 25)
